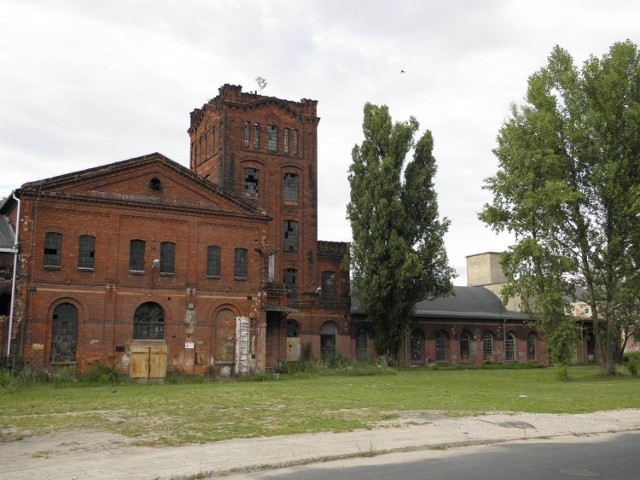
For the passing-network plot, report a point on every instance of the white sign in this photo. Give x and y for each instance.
(189, 345)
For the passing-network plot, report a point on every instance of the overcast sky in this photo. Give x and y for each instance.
(86, 83)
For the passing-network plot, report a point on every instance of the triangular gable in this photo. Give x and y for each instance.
(148, 180)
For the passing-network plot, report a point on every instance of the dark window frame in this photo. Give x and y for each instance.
(213, 261)
(329, 291)
(86, 252)
(64, 333)
(251, 182)
(272, 138)
(240, 264)
(286, 140)
(291, 189)
(290, 243)
(136, 255)
(167, 258)
(442, 346)
(290, 280)
(52, 250)
(247, 134)
(148, 322)
(487, 346)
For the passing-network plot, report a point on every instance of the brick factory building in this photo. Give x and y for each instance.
(216, 268)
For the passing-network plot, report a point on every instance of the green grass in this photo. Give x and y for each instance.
(212, 411)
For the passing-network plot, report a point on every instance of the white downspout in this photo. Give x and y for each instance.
(14, 277)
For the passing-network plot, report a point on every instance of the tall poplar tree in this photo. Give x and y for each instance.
(397, 254)
(568, 188)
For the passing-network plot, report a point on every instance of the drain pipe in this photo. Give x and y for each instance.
(14, 277)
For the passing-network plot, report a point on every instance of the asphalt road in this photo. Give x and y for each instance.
(610, 456)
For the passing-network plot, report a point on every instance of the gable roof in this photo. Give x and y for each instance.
(465, 303)
(88, 185)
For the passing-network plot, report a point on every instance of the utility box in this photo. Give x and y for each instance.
(148, 361)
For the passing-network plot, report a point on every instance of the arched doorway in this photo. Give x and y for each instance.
(442, 347)
(64, 333)
(417, 347)
(148, 322)
(328, 341)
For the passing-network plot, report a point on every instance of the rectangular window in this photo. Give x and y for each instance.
(328, 286)
(272, 138)
(256, 136)
(290, 187)
(290, 279)
(240, 264)
(213, 261)
(286, 140)
(86, 251)
(52, 249)
(167, 257)
(295, 142)
(251, 182)
(290, 236)
(136, 255)
(247, 134)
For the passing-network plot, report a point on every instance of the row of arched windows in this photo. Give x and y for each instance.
(467, 346)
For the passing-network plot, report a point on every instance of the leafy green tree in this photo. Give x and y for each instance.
(397, 254)
(568, 184)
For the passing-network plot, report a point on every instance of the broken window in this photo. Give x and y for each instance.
(290, 236)
(251, 182)
(52, 249)
(290, 280)
(86, 251)
(290, 187)
(148, 322)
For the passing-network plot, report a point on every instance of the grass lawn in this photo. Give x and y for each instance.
(206, 412)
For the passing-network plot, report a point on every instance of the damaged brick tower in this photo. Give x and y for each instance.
(265, 150)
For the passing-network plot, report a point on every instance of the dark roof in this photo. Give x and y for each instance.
(465, 302)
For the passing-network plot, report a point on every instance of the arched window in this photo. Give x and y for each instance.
(148, 322)
(510, 347)
(531, 346)
(442, 347)
(64, 333)
(487, 347)
(362, 346)
(293, 329)
(466, 345)
(328, 338)
(417, 346)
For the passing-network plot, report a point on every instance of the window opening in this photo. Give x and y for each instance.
(247, 134)
(328, 333)
(466, 345)
(295, 142)
(251, 182)
(510, 347)
(240, 264)
(167, 257)
(290, 236)
(272, 138)
(148, 322)
(291, 187)
(442, 347)
(86, 251)
(136, 255)
(531, 346)
(417, 346)
(256, 136)
(286, 140)
(64, 333)
(290, 279)
(362, 346)
(487, 347)
(293, 330)
(213, 261)
(52, 249)
(328, 288)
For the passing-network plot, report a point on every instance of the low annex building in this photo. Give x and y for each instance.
(217, 268)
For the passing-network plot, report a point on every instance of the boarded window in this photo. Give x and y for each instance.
(64, 333)
(290, 187)
(52, 249)
(136, 255)
(86, 251)
(240, 264)
(148, 322)
(213, 261)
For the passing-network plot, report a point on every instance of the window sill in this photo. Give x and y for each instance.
(167, 274)
(240, 279)
(52, 267)
(85, 269)
(136, 272)
(213, 277)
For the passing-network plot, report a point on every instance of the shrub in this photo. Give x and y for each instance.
(103, 374)
(632, 366)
